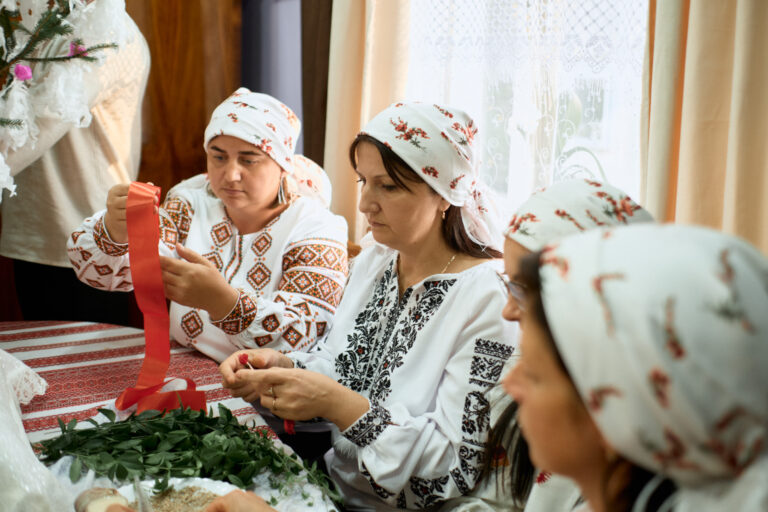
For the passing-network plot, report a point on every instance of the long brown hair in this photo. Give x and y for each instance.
(401, 173)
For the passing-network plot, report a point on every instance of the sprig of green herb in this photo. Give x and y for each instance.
(181, 443)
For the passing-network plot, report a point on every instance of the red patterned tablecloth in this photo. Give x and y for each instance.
(88, 365)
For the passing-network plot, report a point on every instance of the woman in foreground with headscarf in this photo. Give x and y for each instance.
(642, 376)
(252, 258)
(561, 209)
(417, 338)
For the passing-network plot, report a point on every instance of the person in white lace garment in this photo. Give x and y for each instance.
(417, 339)
(254, 265)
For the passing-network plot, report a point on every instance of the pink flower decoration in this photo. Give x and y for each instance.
(22, 72)
(76, 49)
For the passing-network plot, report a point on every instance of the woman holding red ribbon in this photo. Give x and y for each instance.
(417, 339)
(250, 255)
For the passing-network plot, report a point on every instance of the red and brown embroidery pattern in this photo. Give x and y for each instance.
(548, 257)
(674, 455)
(168, 234)
(430, 171)
(258, 277)
(316, 254)
(567, 216)
(620, 209)
(468, 132)
(322, 290)
(731, 309)
(411, 135)
(104, 243)
(516, 224)
(181, 213)
(455, 181)
(598, 395)
(594, 219)
(221, 233)
(241, 316)
(660, 385)
(736, 456)
(192, 324)
(597, 284)
(443, 111)
(673, 341)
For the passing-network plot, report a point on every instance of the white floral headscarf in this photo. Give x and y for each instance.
(664, 331)
(311, 180)
(437, 143)
(569, 207)
(259, 119)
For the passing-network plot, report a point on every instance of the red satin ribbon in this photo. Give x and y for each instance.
(143, 238)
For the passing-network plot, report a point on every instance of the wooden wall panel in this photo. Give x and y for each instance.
(195, 49)
(315, 51)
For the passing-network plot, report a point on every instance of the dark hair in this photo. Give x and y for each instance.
(505, 434)
(401, 173)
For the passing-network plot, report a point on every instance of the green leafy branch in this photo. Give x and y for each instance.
(182, 443)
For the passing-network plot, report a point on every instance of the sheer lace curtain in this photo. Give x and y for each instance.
(555, 85)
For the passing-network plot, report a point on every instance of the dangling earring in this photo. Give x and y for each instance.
(281, 199)
(443, 215)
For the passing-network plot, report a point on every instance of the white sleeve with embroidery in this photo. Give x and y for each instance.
(418, 461)
(103, 264)
(300, 311)
(97, 260)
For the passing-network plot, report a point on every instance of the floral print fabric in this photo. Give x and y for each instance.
(665, 334)
(569, 207)
(437, 143)
(259, 119)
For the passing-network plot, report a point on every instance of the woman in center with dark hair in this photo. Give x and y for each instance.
(416, 341)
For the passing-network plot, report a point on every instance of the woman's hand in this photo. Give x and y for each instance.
(195, 282)
(238, 501)
(261, 359)
(115, 218)
(297, 394)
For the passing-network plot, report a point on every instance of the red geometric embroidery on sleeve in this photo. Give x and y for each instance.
(263, 340)
(86, 255)
(103, 242)
(181, 214)
(94, 283)
(315, 285)
(240, 317)
(292, 336)
(270, 323)
(74, 263)
(598, 395)
(123, 284)
(76, 235)
(279, 298)
(123, 271)
(168, 233)
(303, 307)
(316, 255)
(103, 270)
(321, 326)
(192, 324)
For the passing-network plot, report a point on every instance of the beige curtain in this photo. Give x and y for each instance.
(368, 68)
(707, 134)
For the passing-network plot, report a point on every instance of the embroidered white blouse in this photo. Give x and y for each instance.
(424, 361)
(290, 274)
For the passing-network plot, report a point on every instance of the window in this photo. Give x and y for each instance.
(555, 86)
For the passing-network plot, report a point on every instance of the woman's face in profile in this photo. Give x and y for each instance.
(241, 174)
(561, 435)
(398, 218)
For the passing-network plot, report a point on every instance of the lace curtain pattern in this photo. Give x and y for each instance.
(555, 85)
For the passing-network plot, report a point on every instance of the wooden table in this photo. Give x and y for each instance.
(87, 365)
